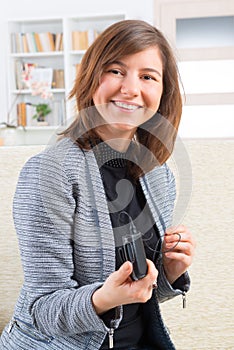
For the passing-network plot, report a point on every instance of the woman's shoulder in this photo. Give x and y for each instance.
(63, 150)
(161, 171)
(56, 158)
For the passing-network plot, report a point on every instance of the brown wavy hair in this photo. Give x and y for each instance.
(158, 134)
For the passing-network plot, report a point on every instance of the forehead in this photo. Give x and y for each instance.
(151, 53)
(147, 58)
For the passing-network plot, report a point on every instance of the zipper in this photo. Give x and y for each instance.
(11, 324)
(27, 330)
(111, 338)
(184, 301)
(113, 326)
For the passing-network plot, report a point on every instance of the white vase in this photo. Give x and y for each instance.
(11, 136)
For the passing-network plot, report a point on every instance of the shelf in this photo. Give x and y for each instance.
(37, 54)
(77, 52)
(29, 92)
(37, 128)
(62, 62)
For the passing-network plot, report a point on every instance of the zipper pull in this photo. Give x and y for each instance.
(11, 324)
(184, 300)
(111, 338)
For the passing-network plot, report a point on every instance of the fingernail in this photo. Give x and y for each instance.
(126, 266)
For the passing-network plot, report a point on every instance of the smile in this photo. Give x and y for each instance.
(127, 106)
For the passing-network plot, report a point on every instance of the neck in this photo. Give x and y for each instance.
(120, 145)
(119, 141)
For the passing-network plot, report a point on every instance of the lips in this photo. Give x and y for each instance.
(126, 105)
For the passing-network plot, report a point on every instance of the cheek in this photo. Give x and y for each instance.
(101, 93)
(97, 96)
(153, 98)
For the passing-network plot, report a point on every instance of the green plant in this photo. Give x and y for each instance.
(42, 110)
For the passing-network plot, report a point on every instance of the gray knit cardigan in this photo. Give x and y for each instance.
(67, 250)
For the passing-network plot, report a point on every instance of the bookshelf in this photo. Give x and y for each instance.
(47, 50)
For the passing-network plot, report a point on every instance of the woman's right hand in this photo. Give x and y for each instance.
(120, 289)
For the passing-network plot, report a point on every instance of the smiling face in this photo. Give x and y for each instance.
(129, 93)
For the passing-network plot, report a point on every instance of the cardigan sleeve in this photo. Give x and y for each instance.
(43, 209)
(165, 290)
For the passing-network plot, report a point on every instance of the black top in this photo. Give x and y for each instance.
(125, 200)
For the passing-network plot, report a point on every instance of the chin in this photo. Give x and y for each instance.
(124, 127)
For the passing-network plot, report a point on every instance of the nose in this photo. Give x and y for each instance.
(130, 86)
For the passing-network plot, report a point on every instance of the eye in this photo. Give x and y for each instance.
(149, 77)
(115, 71)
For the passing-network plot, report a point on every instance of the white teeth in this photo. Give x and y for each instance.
(126, 106)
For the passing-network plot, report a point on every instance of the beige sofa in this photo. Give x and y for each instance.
(11, 277)
(207, 322)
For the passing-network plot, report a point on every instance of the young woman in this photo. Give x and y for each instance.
(77, 202)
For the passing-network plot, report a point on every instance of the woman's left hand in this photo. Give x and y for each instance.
(177, 257)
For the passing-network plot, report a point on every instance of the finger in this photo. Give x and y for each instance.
(123, 273)
(152, 274)
(176, 229)
(152, 271)
(185, 259)
(143, 288)
(181, 247)
(183, 236)
(173, 238)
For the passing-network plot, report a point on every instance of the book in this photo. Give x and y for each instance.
(80, 40)
(25, 43)
(38, 42)
(61, 43)
(35, 42)
(26, 76)
(58, 79)
(13, 43)
(58, 39)
(75, 40)
(19, 84)
(45, 41)
(41, 79)
(21, 114)
(19, 43)
(51, 41)
(31, 42)
(30, 112)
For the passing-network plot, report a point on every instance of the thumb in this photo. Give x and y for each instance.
(123, 272)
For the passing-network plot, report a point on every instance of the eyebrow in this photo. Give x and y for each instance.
(146, 69)
(152, 70)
